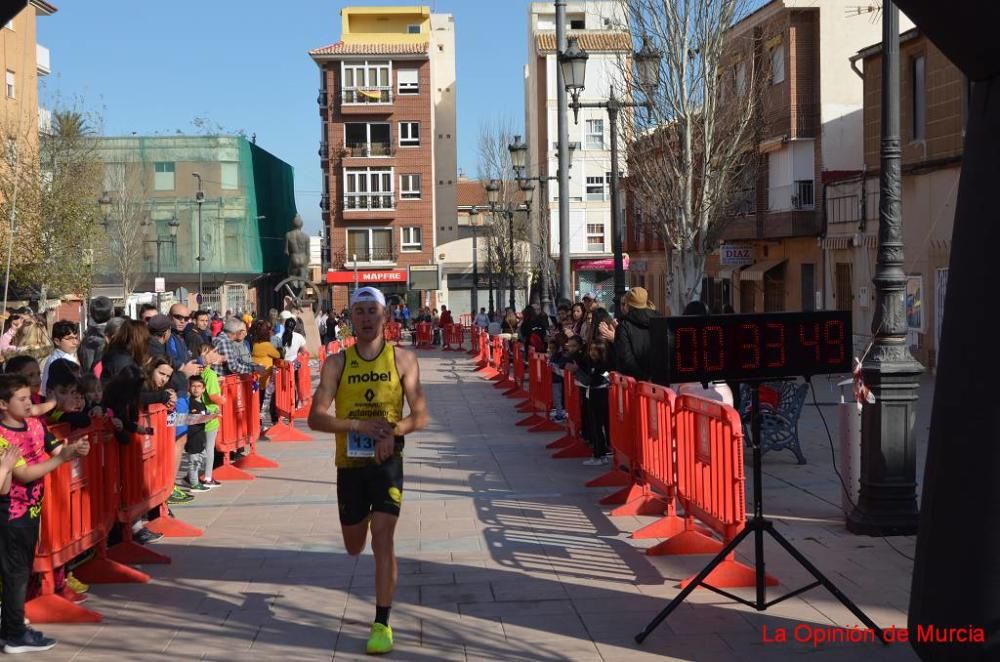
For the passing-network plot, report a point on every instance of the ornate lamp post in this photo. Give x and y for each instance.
(518, 158)
(573, 64)
(507, 211)
(172, 225)
(475, 222)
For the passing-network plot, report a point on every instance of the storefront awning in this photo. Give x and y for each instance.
(757, 270)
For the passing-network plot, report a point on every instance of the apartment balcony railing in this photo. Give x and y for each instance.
(370, 149)
(744, 203)
(368, 201)
(366, 95)
(344, 259)
(324, 202)
(322, 99)
(324, 150)
(797, 196)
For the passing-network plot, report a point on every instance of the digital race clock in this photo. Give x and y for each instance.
(750, 347)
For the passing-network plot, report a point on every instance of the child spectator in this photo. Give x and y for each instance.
(557, 359)
(593, 375)
(27, 366)
(195, 444)
(66, 337)
(263, 352)
(158, 374)
(21, 507)
(213, 402)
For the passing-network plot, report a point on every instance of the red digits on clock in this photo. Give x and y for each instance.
(778, 345)
(750, 347)
(686, 345)
(712, 336)
(835, 340)
(813, 341)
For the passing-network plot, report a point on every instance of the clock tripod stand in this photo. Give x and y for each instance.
(757, 526)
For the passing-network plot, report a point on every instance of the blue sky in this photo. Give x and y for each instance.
(156, 66)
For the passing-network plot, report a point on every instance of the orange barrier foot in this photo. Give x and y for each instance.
(171, 527)
(284, 432)
(301, 412)
(525, 407)
(685, 543)
(576, 451)
(648, 504)
(732, 574)
(231, 472)
(488, 373)
(666, 527)
(106, 571)
(564, 441)
(503, 383)
(255, 461)
(613, 478)
(133, 553)
(532, 420)
(547, 426)
(53, 608)
(516, 393)
(629, 493)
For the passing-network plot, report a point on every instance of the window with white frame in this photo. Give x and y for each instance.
(369, 245)
(595, 134)
(409, 134)
(367, 188)
(595, 189)
(367, 139)
(409, 81)
(410, 241)
(409, 187)
(11, 85)
(778, 64)
(230, 175)
(366, 82)
(595, 237)
(163, 176)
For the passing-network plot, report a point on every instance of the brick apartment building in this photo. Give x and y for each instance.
(933, 108)
(387, 146)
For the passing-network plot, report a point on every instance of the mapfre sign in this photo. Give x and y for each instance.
(368, 277)
(736, 255)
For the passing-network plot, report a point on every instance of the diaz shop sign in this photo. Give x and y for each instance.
(736, 255)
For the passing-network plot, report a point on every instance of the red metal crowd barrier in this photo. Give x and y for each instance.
(571, 444)
(240, 429)
(457, 339)
(425, 335)
(393, 332)
(285, 404)
(517, 368)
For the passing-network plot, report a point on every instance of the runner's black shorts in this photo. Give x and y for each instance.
(376, 488)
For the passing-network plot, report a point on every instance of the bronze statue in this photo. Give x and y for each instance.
(297, 249)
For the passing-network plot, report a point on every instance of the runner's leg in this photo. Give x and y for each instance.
(386, 571)
(355, 537)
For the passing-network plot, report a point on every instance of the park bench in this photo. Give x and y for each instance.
(779, 425)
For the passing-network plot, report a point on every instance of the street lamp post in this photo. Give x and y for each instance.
(565, 286)
(199, 198)
(507, 210)
(518, 158)
(475, 222)
(173, 225)
(573, 65)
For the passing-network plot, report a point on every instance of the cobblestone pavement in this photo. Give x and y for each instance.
(504, 555)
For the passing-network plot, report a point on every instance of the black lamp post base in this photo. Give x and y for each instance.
(868, 523)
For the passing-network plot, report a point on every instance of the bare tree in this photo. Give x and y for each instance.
(695, 147)
(127, 220)
(495, 164)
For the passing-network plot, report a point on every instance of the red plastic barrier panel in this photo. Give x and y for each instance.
(465, 319)
(425, 335)
(284, 403)
(571, 444)
(393, 331)
(303, 386)
(233, 429)
(446, 336)
(147, 466)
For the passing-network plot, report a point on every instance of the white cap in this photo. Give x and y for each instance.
(286, 314)
(367, 295)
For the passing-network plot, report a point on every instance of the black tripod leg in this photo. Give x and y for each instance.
(827, 584)
(695, 583)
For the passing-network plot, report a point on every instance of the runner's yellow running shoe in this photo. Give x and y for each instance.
(380, 641)
(75, 584)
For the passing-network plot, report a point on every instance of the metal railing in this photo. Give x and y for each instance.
(797, 196)
(341, 259)
(322, 99)
(365, 95)
(371, 149)
(368, 201)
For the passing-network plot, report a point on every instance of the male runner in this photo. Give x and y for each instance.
(367, 383)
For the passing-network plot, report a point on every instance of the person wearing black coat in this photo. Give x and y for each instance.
(630, 354)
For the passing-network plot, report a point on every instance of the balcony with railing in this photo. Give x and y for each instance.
(324, 203)
(364, 257)
(369, 202)
(365, 96)
(797, 196)
(370, 150)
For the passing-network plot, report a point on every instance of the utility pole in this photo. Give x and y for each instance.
(199, 198)
(887, 503)
(565, 286)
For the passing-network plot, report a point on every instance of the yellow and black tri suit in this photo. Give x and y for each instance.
(368, 390)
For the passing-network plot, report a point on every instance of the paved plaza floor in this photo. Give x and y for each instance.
(504, 555)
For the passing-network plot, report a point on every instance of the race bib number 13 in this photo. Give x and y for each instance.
(358, 445)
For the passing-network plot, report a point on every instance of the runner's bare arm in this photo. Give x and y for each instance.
(409, 374)
(320, 418)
